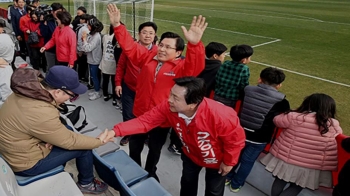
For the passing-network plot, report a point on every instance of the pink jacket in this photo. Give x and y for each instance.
(302, 144)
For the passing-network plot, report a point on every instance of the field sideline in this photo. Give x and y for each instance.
(309, 39)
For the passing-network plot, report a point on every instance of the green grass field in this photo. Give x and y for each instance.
(310, 37)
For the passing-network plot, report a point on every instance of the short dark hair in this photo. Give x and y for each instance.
(272, 76)
(180, 44)
(29, 8)
(148, 24)
(195, 89)
(64, 17)
(82, 8)
(214, 48)
(18, 0)
(56, 6)
(35, 1)
(239, 52)
(86, 17)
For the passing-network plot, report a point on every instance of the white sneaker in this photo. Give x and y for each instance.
(91, 93)
(95, 96)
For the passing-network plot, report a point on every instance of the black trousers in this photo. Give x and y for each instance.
(157, 138)
(82, 67)
(175, 140)
(23, 49)
(105, 82)
(214, 182)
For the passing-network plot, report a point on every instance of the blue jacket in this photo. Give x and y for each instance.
(47, 31)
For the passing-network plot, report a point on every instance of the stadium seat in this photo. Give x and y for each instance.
(129, 170)
(56, 185)
(24, 180)
(150, 186)
(104, 149)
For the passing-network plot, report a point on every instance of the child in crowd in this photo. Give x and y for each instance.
(108, 65)
(305, 154)
(261, 104)
(233, 76)
(92, 47)
(342, 188)
(215, 56)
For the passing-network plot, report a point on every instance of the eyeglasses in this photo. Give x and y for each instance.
(70, 94)
(147, 33)
(167, 47)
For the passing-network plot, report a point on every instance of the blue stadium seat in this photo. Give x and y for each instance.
(22, 180)
(129, 170)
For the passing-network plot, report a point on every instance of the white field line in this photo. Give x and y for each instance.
(302, 74)
(277, 40)
(223, 30)
(296, 17)
(297, 73)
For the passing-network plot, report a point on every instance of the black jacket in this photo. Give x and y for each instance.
(209, 73)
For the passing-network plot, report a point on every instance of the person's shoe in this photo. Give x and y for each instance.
(227, 182)
(173, 149)
(114, 102)
(91, 93)
(74, 98)
(118, 104)
(95, 96)
(124, 141)
(95, 187)
(234, 190)
(106, 98)
(90, 86)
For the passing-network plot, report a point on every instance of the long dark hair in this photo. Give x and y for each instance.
(325, 109)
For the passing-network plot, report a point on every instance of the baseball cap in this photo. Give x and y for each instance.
(62, 77)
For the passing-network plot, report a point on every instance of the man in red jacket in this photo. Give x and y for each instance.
(210, 132)
(158, 69)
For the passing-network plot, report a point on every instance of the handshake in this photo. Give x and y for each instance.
(106, 136)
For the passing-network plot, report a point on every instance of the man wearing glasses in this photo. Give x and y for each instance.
(158, 69)
(32, 138)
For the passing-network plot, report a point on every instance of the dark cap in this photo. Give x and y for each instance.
(62, 77)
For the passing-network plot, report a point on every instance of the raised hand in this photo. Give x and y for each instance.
(197, 28)
(114, 14)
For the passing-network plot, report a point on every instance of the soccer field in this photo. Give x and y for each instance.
(308, 38)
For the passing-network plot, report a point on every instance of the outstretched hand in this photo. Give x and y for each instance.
(114, 14)
(106, 136)
(197, 28)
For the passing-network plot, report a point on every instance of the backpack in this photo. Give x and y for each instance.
(77, 116)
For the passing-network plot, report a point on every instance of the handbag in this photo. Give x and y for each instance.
(33, 38)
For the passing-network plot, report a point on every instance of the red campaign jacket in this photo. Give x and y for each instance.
(153, 89)
(23, 25)
(213, 136)
(34, 27)
(65, 41)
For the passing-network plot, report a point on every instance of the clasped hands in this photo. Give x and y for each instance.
(106, 136)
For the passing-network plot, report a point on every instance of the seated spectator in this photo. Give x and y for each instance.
(305, 154)
(233, 76)
(342, 188)
(32, 138)
(215, 56)
(6, 57)
(260, 105)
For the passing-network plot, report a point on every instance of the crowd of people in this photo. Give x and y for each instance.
(159, 90)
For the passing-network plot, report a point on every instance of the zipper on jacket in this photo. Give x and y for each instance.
(157, 70)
